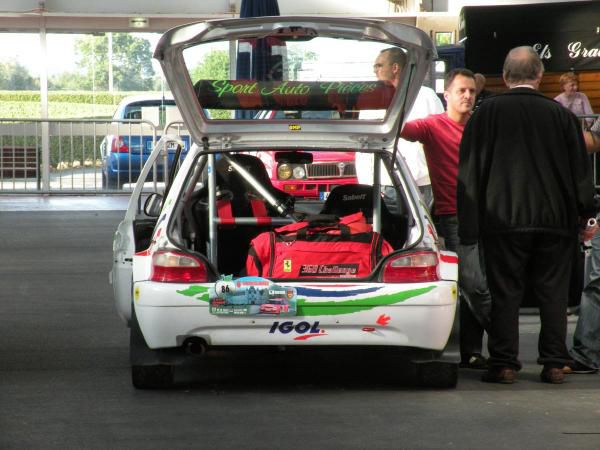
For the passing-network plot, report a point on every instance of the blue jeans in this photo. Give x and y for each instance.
(586, 340)
(475, 300)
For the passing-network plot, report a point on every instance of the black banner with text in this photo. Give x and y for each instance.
(565, 35)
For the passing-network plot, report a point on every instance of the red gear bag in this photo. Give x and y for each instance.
(323, 246)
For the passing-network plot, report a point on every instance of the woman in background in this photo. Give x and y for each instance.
(573, 100)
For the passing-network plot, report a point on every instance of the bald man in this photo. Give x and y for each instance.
(524, 189)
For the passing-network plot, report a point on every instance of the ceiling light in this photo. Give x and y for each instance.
(139, 22)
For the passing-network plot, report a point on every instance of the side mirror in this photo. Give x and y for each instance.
(153, 205)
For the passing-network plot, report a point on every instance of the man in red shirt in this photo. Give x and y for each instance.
(440, 135)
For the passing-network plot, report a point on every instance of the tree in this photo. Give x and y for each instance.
(15, 77)
(67, 81)
(214, 66)
(132, 65)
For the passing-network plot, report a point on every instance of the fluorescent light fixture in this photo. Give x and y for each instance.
(139, 22)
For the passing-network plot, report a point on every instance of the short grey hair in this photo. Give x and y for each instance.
(522, 64)
(395, 56)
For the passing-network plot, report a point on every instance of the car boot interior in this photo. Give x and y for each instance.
(236, 198)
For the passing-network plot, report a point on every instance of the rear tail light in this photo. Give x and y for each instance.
(414, 267)
(177, 267)
(119, 146)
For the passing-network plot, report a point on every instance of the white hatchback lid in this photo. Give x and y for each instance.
(313, 75)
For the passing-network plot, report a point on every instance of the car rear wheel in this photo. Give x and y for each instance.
(146, 376)
(437, 374)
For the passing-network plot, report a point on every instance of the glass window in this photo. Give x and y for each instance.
(315, 78)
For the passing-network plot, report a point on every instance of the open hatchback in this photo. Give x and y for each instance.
(221, 258)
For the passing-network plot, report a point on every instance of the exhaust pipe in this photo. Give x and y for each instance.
(195, 346)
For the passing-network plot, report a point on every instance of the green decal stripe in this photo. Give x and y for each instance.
(192, 291)
(329, 308)
(305, 308)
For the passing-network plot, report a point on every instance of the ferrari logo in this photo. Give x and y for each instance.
(136, 293)
(287, 265)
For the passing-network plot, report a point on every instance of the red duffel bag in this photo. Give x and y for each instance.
(323, 246)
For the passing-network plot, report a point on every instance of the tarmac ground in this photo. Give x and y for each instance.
(65, 377)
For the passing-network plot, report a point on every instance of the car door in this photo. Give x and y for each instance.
(134, 232)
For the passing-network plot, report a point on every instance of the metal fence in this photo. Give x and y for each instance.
(74, 156)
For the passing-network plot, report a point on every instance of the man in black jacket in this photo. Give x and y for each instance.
(524, 186)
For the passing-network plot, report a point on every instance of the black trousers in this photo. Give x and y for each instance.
(539, 264)
(471, 331)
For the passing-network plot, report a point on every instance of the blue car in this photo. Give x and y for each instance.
(139, 122)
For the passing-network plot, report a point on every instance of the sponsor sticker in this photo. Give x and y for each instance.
(248, 296)
(304, 330)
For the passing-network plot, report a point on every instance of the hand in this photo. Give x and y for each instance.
(588, 232)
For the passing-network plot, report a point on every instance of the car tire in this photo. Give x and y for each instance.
(146, 376)
(437, 374)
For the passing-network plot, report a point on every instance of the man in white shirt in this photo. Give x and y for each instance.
(388, 67)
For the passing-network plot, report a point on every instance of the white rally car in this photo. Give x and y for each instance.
(185, 278)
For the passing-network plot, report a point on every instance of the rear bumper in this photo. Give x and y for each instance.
(424, 321)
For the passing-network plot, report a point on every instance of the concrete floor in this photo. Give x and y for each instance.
(65, 378)
(26, 202)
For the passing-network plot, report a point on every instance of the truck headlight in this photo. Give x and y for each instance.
(284, 171)
(299, 172)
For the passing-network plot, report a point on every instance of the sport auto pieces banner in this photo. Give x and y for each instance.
(303, 95)
(560, 51)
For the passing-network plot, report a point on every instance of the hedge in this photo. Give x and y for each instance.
(86, 97)
(61, 105)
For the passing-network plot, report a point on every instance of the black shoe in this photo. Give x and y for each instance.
(552, 375)
(503, 375)
(475, 361)
(577, 367)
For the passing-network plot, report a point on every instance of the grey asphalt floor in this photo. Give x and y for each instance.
(65, 381)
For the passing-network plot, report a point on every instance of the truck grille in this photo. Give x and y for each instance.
(331, 170)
